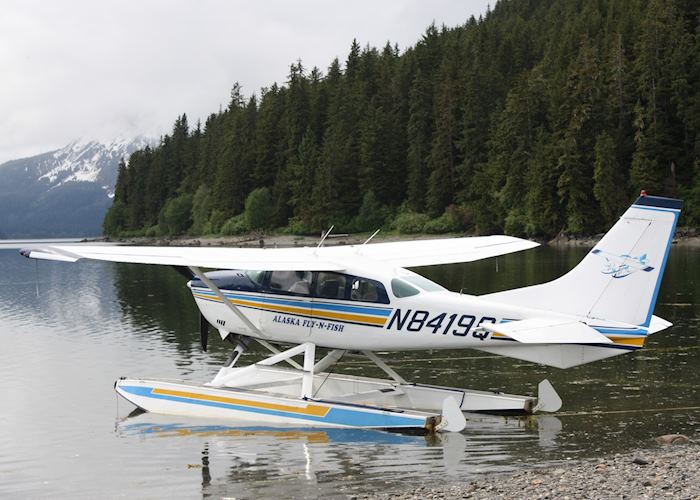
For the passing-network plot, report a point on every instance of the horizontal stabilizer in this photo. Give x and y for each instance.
(547, 331)
(657, 324)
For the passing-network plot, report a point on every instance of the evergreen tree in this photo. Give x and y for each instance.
(609, 185)
(419, 133)
(538, 117)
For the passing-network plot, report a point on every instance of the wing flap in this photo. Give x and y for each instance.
(548, 331)
(432, 252)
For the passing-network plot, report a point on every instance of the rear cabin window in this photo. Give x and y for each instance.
(291, 282)
(331, 285)
(402, 289)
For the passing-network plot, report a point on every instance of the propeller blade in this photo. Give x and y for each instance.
(203, 331)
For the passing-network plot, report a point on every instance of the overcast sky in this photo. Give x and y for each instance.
(102, 69)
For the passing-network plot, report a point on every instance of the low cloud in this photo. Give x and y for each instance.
(71, 69)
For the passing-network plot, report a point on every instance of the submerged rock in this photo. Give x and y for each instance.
(672, 439)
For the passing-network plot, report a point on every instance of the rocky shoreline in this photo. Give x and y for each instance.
(664, 471)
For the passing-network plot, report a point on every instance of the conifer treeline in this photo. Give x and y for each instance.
(541, 117)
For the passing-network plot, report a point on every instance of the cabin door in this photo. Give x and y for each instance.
(287, 311)
(329, 303)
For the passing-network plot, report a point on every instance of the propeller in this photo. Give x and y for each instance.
(203, 331)
(203, 323)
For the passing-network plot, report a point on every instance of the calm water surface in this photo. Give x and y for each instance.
(69, 330)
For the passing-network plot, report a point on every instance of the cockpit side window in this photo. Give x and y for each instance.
(367, 290)
(402, 289)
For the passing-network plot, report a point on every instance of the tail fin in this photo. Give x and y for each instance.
(619, 279)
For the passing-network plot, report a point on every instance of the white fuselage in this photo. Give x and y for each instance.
(437, 319)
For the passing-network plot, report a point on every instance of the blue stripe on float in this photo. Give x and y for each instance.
(353, 417)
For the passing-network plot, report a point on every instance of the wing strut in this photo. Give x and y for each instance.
(254, 329)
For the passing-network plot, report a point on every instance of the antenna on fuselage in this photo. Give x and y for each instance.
(323, 238)
(367, 241)
(373, 235)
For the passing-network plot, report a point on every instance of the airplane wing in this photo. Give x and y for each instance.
(269, 259)
(400, 253)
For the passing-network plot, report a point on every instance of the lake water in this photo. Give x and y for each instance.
(68, 331)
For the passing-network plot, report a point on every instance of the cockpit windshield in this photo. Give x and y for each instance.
(402, 289)
(423, 283)
(256, 276)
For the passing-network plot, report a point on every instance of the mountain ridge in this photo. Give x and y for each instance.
(63, 192)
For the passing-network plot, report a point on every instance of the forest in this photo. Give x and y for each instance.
(541, 117)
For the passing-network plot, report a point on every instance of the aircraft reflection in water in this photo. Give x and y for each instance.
(251, 461)
(358, 300)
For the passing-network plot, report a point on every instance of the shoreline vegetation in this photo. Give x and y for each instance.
(663, 471)
(683, 237)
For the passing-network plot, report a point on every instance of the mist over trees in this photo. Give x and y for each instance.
(542, 116)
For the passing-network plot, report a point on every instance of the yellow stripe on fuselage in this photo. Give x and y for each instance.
(314, 410)
(305, 311)
(632, 341)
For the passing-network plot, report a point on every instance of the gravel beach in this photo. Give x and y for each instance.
(664, 471)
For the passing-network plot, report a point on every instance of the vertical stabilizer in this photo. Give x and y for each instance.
(619, 279)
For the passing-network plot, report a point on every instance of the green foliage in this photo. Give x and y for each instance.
(215, 222)
(115, 219)
(409, 222)
(449, 222)
(175, 217)
(152, 232)
(609, 183)
(201, 210)
(299, 226)
(372, 214)
(259, 209)
(538, 118)
(235, 225)
(516, 223)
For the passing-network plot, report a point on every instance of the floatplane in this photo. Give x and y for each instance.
(357, 300)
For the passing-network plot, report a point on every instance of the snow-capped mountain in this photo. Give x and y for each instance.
(65, 192)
